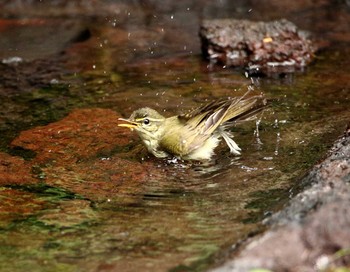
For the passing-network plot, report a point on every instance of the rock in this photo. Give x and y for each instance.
(69, 213)
(267, 46)
(84, 133)
(62, 8)
(313, 232)
(15, 170)
(31, 39)
(84, 154)
(17, 204)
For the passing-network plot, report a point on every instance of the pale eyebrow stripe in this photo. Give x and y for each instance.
(149, 118)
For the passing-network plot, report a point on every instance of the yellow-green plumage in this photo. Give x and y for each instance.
(195, 135)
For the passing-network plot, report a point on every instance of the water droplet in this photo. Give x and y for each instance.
(54, 81)
(10, 60)
(267, 158)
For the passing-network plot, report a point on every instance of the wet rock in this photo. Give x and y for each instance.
(16, 204)
(83, 134)
(80, 153)
(61, 8)
(15, 170)
(110, 179)
(69, 213)
(30, 39)
(263, 46)
(313, 232)
(23, 77)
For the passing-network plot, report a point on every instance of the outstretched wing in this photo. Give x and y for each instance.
(201, 123)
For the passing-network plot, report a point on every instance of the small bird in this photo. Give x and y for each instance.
(195, 135)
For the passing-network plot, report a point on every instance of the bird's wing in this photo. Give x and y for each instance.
(201, 123)
(245, 109)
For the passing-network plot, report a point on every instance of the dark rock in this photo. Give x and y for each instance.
(313, 232)
(60, 8)
(30, 39)
(270, 46)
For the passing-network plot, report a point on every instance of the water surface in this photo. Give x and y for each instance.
(90, 203)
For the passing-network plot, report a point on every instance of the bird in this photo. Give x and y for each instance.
(195, 135)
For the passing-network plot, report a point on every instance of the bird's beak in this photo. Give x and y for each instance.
(129, 124)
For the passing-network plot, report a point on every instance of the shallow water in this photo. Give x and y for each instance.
(90, 203)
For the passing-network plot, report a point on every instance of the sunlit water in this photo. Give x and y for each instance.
(188, 213)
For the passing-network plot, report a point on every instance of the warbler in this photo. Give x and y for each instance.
(195, 135)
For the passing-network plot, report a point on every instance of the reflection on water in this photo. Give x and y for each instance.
(94, 213)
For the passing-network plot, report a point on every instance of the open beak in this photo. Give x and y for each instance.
(129, 124)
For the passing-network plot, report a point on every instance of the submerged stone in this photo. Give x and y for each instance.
(84, 133)
(16, 204)
(82, 153)
(30, 39)
(15, 170)
(266, 46)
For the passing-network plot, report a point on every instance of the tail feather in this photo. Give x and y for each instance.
(234, 148)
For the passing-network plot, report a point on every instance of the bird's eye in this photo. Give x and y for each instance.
(146, 121)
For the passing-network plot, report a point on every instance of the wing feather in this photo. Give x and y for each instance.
(201, 123)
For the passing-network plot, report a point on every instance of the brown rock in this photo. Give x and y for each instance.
(263, 45)
(16, 204)
(77, 154)
(82, 134)
(15, 170)
(105, 179)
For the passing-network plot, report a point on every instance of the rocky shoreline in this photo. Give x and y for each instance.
(312, 233)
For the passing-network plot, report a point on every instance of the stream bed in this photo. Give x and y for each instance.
(79, 193)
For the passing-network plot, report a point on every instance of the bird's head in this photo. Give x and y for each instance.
(146, 122)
